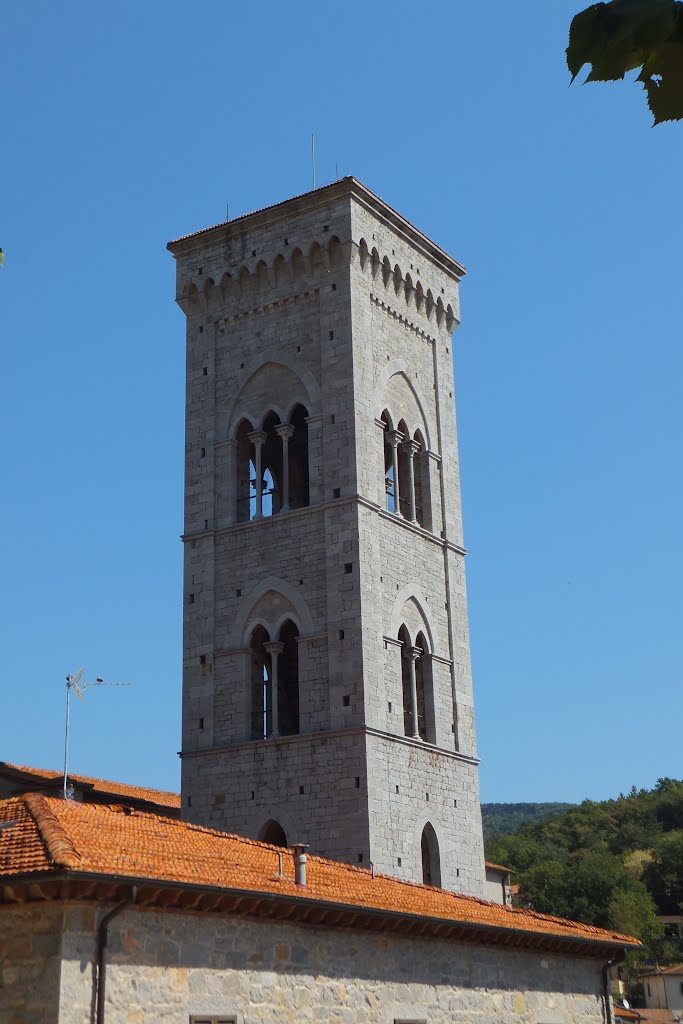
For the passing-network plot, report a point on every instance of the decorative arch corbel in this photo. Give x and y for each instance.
(292, 594)
(393, 367)
(407, 593)
(276, 356)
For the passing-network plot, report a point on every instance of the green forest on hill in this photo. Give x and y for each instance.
(613, 863)
(508, 817)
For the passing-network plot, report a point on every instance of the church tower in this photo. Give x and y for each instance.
(327, 696)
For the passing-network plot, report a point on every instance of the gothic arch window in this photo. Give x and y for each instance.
(271, 466)
(424, 686)
(431, 860)
(421, 482)
(297, 449)
(390, 463)
(261, 692)
(273, 833)
(404, 501)
(246, 474)
(288, 679)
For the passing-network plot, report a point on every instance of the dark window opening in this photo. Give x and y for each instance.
(431, 862)
(273, 833)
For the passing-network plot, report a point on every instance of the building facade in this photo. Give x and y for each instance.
(327, 695)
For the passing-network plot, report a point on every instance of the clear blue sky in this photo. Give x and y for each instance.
(125, 125)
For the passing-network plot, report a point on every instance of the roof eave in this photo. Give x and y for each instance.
(232, 900)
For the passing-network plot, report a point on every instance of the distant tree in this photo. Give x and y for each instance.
(633, 912)
(623, 35)
(664, 873)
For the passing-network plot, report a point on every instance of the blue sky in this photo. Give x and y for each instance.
(126, 125)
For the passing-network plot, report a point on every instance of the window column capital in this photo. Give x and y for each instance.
(274, 647)
(394, 437)
(258, 438)
(284, 430)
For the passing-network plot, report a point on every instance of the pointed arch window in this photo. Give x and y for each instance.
(431, 859)
(272, 473)
(261, 692)
(288, 679)
(273, 833)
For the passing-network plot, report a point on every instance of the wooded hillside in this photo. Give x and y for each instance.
(615, 863)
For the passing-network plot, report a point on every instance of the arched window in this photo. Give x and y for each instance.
(271, 466)
(246, 474)
(431, 861)
(298, 459)
(404, 472)
(390, 464)
(406, 683)
(424, 691)
(273, 833)
(421, 483)
(261, 694)
(288, 680)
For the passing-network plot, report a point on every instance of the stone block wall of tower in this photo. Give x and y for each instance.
(331, 303)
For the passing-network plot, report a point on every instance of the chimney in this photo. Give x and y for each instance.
(299, 850)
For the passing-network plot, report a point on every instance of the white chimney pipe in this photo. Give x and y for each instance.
(299, 850)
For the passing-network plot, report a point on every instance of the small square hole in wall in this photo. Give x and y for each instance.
(189, 801)
(457, 872)
(286, 241)
(346, 700)
(205, 371)
(360, 858)
(332, 418)
(336, 493)
(331, 335)
(253, 795)
(348, 567)
(241, 366)
(397, 790)
(334, 287)
(206, 524)
(301, 790)
(200, 270)
(447, 350)
(298, 348)
(203, 455)
(201, 723)
(201, 330)
(450, 393)
(202, 659)
(238, 593)
(326, 227)
(190, 598)
(357, 782)
(341, 634)
(301, 583)
(399, 862)
(253, 252)
(455, 803)
(427, 797)
(390, 706)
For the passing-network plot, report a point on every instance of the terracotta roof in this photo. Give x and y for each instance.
(656, 1016)
(153, 796)
(675, 969)
(623, 1014)
(498, 867)
(50, 835)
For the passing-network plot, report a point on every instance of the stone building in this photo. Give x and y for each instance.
(118, 916)
(327, 695)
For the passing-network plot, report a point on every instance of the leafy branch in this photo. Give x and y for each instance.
(623, 35)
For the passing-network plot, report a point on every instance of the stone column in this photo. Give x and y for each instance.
(412, 654)
(411, 448)
(258, 439)
(274, 648)
(395, 437)
(284, 432)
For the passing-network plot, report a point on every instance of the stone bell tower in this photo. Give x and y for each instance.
(327, 696)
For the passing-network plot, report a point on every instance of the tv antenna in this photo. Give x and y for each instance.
(313, 156)
(73, 682)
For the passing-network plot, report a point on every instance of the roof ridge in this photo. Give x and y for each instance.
(60, 849)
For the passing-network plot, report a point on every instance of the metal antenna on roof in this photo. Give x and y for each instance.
(313, 155)
(73, 682)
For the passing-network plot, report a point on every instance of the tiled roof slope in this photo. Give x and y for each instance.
(675, 969)
(104, 786)
(53, 834)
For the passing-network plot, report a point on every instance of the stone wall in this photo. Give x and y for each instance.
(167, 967)
(30, 956)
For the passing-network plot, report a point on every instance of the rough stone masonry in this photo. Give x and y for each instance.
(333, 311)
